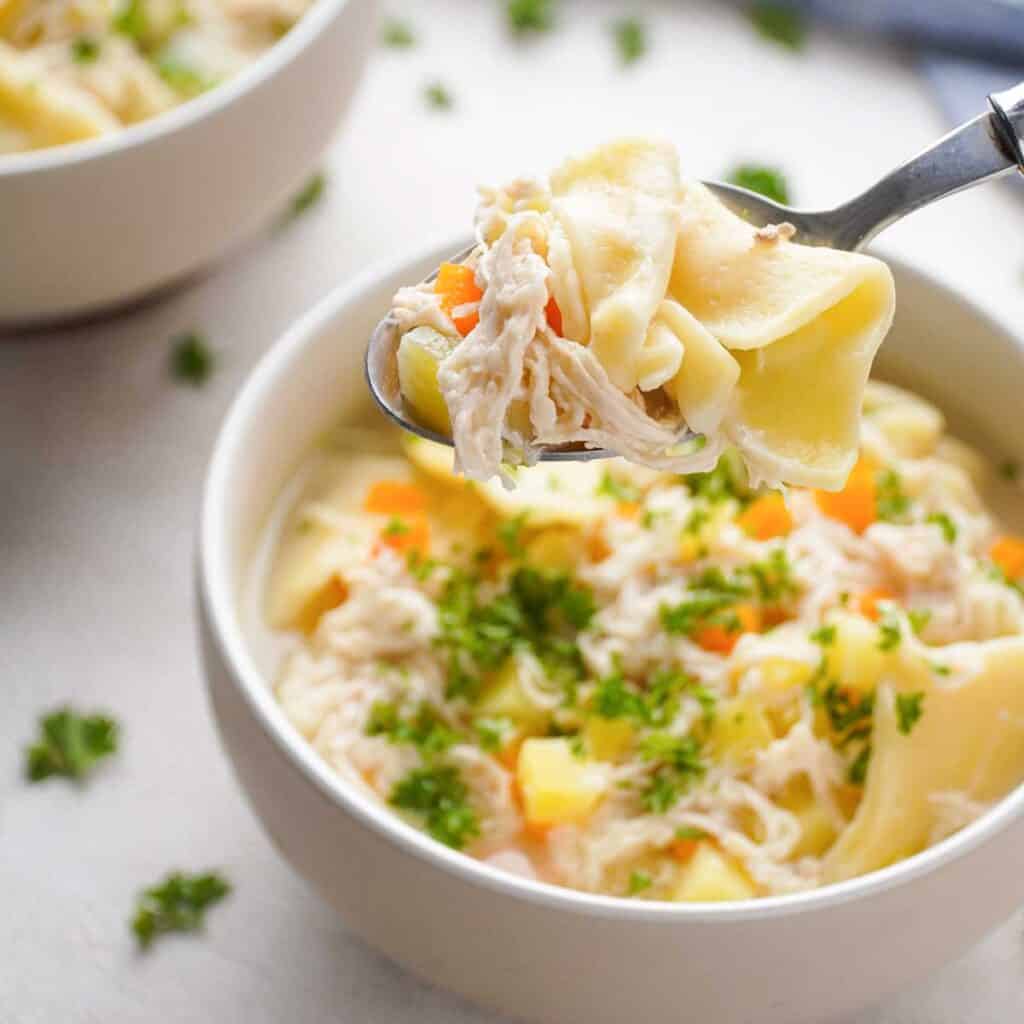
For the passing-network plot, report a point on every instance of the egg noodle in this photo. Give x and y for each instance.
(76, 69)
(636, 683)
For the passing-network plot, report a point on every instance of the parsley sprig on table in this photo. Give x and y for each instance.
(397, 34)
(309, 195)
(779, 22)
(766, 181)
(178, 904)
(192, 359)
(630, 39)
(70, 745)
(529, 16)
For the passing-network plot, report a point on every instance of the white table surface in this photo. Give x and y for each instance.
(102, 458)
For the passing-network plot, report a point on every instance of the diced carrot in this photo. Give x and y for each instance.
(1008, 554)
(536, 832)
(856, 503)
(509, 757)
(554, 315)
(598, 548)
(395, 498)
(767, 517)
(720, 639)
(868, 602)
(405, 535)
(683, 849)
(774, 615)
(456, 284)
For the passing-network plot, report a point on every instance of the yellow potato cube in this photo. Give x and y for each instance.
(711, 877)
(557, 787)
(740, 729)
(419, 353)
(505, 697)
(781, 674)
(556, 549)
(608, 739)
(854, 657)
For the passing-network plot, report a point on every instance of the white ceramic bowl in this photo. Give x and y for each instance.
(101, 223)
(533, 950)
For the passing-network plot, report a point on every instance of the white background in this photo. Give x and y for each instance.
(102, 458)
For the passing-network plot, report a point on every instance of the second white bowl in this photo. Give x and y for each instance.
(101, 223)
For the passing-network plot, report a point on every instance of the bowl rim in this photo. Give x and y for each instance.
(218, 608)
(265, 66)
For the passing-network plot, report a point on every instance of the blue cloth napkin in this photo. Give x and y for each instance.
(968, 48)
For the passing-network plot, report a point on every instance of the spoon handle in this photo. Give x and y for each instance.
(975, 152)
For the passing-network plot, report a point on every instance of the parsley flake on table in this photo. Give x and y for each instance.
(525, 16)
(630, 39)
(84, 49)
(769, 182)
(438, 97)
(310, 194)
(178, 904)
(192, 359)
(778, 22)
(70, 744)
(909, 708)
(438, 796)
(397, 34)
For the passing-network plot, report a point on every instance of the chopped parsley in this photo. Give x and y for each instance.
(891, 504)
(492, 732)
(858, 771)
(696, 520)
(769, 182)
(130, 19)
(638, 881)
(425, 730)
(889, 634)
(825, 636)
(908, 710)
(181, 76)
(85, 49)
(848, 715)
(526, 16)
(773, 576)
(690, 832)
(679, 764)
(178, 904)
(941, 670)
(1009, 470)
(722, 482)
(397, 34)
(420, 568)
(630, 39)
(192, 360)
(70, 745)
(779, 22)
(440, 799)
(654, 706)
(918, 619)
(539, 611)
(510, 534)
(945, 524)
(438, 97)
(309, 195)
(619, 490)
(396, 527)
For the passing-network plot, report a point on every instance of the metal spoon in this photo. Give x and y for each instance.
(984, 148)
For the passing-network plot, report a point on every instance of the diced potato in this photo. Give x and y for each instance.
(556, 549)
(557, 786)
(854, 658)
(781, 674)
(506, 698)
(817, 832)
(419, 353)
(608, 739)
(740, 729)
(711, 877)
